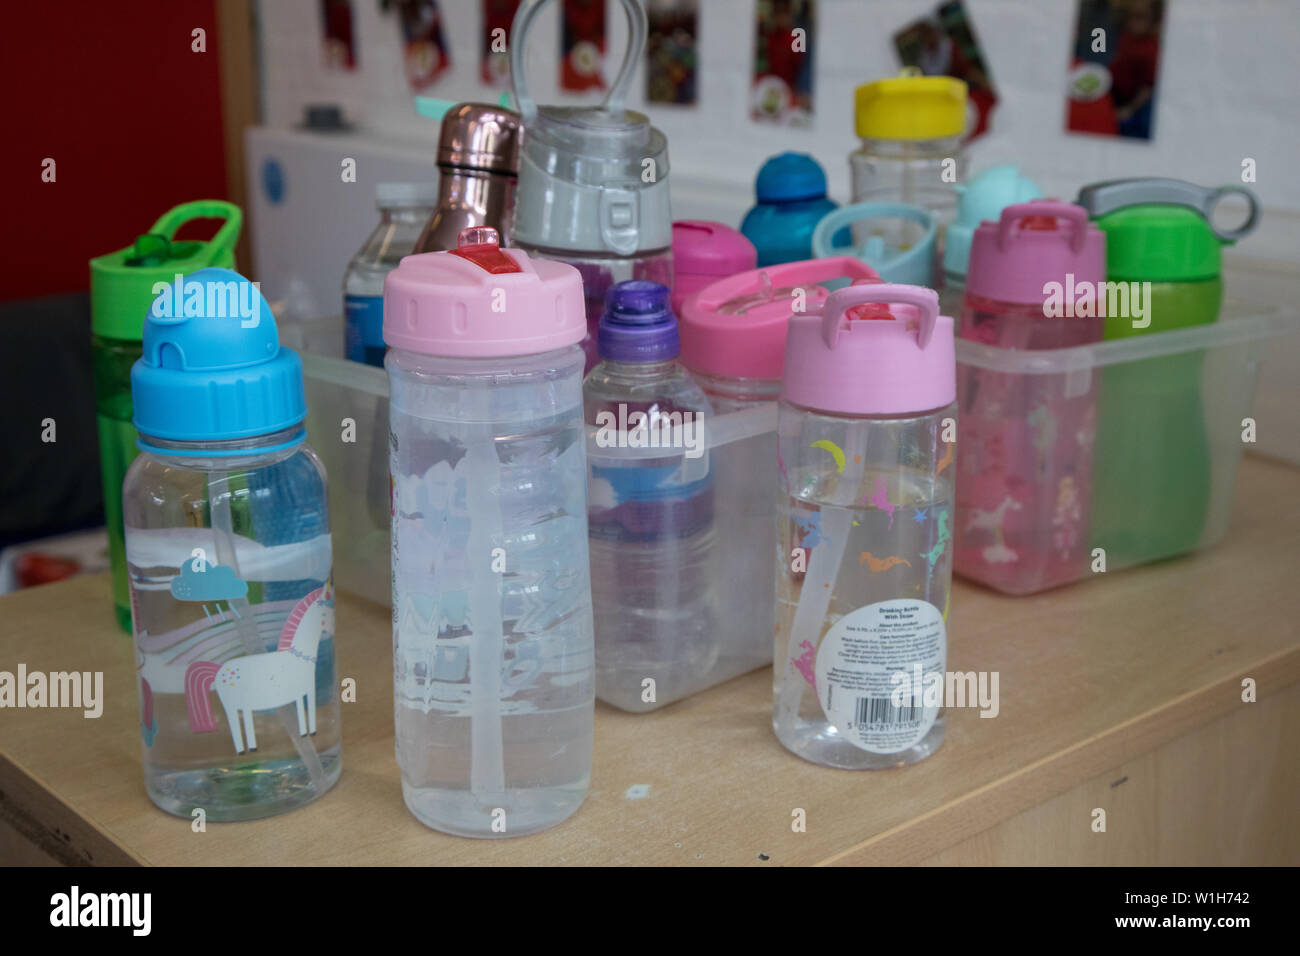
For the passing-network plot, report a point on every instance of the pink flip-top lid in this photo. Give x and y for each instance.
(1034, 243)
(482, 301)
(736, 327)
(889, 360)
(704, 252)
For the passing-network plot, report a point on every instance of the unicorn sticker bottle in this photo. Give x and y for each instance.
(866, 434)
(228, 557)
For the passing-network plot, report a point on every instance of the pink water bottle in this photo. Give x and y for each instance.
(1024, 475)
(703, 253)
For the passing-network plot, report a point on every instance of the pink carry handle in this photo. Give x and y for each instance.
(925, 301)
(807, 272)
(1076, 216)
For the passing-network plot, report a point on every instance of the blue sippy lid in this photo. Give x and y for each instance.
(984, 197)
(787, 177)
(212, 367)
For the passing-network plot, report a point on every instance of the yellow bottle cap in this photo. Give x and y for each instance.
(911, 106)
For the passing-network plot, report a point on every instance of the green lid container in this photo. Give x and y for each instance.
(1162, 230)
(122, 282)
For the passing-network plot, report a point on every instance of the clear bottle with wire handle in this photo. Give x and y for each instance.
(866, 432)
(492, 623)
(228, 556)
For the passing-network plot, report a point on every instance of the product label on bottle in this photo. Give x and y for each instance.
(874, 670)
(365, 328)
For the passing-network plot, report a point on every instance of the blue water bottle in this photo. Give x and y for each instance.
(228, 559)
(791, 192)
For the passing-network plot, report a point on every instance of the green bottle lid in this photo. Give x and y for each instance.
(122, 282)
(1162, 230)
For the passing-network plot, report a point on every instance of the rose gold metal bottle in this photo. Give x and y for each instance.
(478, 159)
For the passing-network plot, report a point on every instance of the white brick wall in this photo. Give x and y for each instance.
(1229, 82)
(1230, 78)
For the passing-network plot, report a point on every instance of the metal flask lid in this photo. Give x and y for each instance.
(605, 166)
(480, 136)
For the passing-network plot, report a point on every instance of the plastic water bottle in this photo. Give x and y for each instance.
(492, 631)
(703, 253)
(791, 193)
(404, 209)
(234, 635)
(866, 428)
(651, 515)
(1025, 479)
(911, 130)
(733, 344)
(1151, 485)
(593, 181)
(121, 291)
(984, 197)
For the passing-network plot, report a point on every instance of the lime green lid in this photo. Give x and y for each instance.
(122, 282)
(1161, 230)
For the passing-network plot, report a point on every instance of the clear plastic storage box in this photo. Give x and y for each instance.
(347, 424)
(1164, 436)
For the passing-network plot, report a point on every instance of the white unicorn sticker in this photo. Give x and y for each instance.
(255, 682)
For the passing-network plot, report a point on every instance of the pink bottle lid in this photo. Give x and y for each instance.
(704, 252)
(895, 360)
(1034, 243)
(735, 327)
(481, 301)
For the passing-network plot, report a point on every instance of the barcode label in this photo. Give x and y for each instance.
(881, 712)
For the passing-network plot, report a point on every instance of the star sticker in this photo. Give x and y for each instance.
(919, 517)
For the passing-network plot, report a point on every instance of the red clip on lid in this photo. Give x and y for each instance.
(482, 246)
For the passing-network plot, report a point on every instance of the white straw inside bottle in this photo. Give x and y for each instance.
(487, 646)
(819, 580)
(223, 530)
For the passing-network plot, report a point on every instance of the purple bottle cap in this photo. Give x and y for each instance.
(638, 324)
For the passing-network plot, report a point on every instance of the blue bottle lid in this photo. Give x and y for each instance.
(213, 368)
(638, 324)
(787, 177)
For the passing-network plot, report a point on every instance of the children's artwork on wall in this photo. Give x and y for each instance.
(782, 87)
(339, 47)
(671, 51)
(494, 58)
(944, 44)
(424, 42)
(582, 45)
(1114, 66)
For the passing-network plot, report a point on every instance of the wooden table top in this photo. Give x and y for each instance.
(1090, 675)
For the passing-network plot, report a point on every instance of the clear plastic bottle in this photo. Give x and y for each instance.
(121, 291)
(1024, 486)
(228, 554)
(865, 561)
(650, 517)
(911, 128)
(404, 210)
(492, 630)
(593, 181)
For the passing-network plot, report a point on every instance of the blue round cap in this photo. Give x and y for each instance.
(790, 176)
(638, 324)
(213, 368)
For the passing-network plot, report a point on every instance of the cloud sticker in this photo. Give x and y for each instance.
(217, 583)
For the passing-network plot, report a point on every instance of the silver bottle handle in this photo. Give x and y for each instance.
(1102, 198)
(616, 98)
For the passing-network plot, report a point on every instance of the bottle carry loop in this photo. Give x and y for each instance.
(926, 301)
(1102, 198)
(616, 99)
(1075, 217)
(170, 222)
